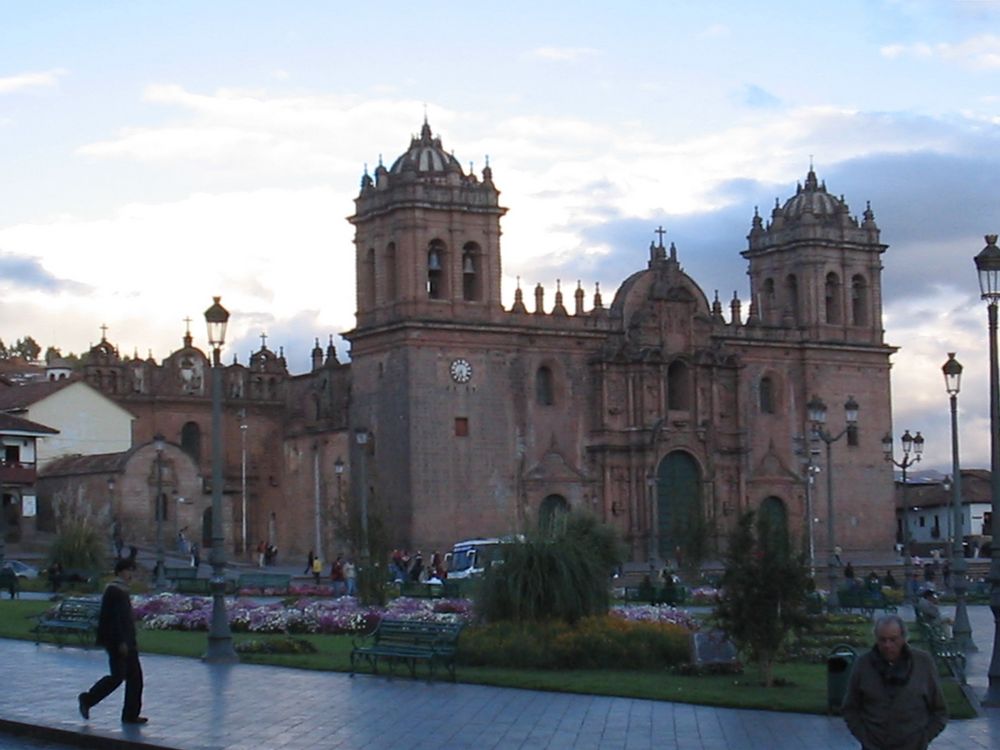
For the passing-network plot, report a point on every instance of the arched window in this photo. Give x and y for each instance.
(767, 314)
(678, 386)
(389, 265)
(833, 316)
(544, 391)
(859, 300)
(552, 515)
(436, 263)
(471, 276)
(368, 280)
(766, 395)
(191, 440)
(792, 297)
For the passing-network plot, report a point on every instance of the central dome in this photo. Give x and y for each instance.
(426, 155)
(813, 199)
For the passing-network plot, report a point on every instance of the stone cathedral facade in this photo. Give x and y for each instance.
(659, 410)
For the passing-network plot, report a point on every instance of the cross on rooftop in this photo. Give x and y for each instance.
(104, 332)
(660, 231)
(263, 340)
(187, 322)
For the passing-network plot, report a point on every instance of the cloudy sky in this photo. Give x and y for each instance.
(156, 154)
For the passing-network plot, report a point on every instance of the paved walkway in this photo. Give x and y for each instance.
(195, 706)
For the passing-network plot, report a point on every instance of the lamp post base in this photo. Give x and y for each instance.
(220, 638)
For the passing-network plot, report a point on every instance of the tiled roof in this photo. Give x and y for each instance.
(22, 396)
(10, 423)
(101, 463)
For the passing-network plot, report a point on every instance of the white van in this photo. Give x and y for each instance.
(471, 558)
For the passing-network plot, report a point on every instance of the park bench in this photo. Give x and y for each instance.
(445, 589)
(943, 646)
(409, 642)
(274, 581)
(9, 582)
(183, 572)
(864, 599)
(74, 616)
(657, 594)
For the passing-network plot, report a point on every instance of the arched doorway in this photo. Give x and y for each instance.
(772, 521)
(679, 512)
(191, 440)
(551, 514)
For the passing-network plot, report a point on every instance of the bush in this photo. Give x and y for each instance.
(601, 642)
(563, 577)
(276, 646)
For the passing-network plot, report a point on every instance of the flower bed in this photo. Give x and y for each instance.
(326, 616)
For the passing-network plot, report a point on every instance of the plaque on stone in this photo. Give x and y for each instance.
(712, 647)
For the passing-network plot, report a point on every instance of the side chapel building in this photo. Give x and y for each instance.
(662, 412)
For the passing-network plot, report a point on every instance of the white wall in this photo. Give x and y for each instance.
(88, 422)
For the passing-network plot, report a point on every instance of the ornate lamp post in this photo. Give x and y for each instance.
(220, 639)
(961, 629)
(243, 482)
(159, 443)
(338, 469)
(111, 517)
(817, 415)
(988, 268)
(913, 448)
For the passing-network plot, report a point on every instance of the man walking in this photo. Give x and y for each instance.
(894, 699)
(116, 632)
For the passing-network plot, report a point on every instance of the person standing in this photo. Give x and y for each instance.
(317, 568)
(116, 633)
(894, 697)
(350, 577)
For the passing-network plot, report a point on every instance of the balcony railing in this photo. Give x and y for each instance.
(17, 472)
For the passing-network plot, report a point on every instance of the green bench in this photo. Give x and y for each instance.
(409, 642)
(185, 572)
(9, 582)
(74, 616)
(670, 595)
(445, 589)
(943, 647)
(276, 581)
(864, 599)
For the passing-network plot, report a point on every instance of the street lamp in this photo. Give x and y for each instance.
(817, 415)
(338, 469)
(913, 448)
(988, 268)
(159, 443)
(243, 479)
(961, 629)
(114, 521)
(220, 639)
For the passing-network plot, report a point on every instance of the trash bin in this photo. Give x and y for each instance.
(839, 663)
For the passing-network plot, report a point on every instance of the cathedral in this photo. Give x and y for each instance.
(663, 413)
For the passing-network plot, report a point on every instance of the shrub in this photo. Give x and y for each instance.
(81, 534)
(600, 642)
(276, 646)
(562, 577)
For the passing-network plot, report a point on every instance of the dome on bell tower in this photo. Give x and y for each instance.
(426, 155)
(812, 199)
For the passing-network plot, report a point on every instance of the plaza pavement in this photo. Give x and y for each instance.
(196, 706)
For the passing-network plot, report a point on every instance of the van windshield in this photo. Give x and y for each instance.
(461, 560)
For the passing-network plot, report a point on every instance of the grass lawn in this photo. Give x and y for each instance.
(804, 689)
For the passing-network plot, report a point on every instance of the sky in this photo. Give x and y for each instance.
(155, 155)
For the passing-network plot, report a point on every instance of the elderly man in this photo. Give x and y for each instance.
(894, 699)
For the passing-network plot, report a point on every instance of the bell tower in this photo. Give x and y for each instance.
(427, 239)
(817, 269)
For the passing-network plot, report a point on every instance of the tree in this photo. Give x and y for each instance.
(763, 591)
(27, 348)
(562, 576)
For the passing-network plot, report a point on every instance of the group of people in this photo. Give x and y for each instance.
(267, 554)
(405, 567)
(343, 573)
(872, 581)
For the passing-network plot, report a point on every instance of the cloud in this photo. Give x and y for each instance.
(25, 273)
(25, 81)
(715, 31)
(980, 52)
(563, 54)
(757, 97)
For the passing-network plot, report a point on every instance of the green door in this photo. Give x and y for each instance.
(772, 520)
(678, 502)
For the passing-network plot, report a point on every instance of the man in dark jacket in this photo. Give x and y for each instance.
(894, 698)
(116, 632)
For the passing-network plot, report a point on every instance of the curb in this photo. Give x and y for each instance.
(78, 739)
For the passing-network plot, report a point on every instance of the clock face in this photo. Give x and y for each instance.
(461, 371)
